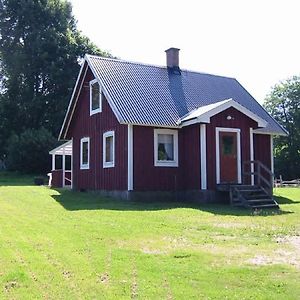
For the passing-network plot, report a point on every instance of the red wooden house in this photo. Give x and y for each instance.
(134, 129)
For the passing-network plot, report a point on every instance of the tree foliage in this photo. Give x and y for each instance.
(40, 47)
(283, 103)
(29, 151)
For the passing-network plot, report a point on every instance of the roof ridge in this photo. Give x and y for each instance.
(153, 65)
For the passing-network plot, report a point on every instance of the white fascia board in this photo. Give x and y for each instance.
(213, 109)
(261, 131)
(70, 102)
(151, 125)
(201, 111)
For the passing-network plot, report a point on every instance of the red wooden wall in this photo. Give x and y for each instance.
(239, 120)
(57, 181)
(185, 176)
(84, 125)
(262, 148)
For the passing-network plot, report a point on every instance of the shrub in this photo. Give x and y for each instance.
(29, 151)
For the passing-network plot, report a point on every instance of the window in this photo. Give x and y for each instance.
(109, 149)
(95, 97)
(227, 143)
(165, 148)
(85, 153)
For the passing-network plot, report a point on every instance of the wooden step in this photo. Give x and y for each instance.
(251, 196)
(245, 186)
(257, 197)
(273, 205)
(250, 190)
(260, 200)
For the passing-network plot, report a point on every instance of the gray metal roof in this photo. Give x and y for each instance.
(152, 95)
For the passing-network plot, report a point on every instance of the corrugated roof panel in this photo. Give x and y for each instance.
(152, 95)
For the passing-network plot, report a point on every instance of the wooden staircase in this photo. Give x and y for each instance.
(251, 196)
(258, 194)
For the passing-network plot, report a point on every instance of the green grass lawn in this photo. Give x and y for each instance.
(57, 244)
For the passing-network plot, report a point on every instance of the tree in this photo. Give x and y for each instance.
(283, 103)
(40, 48)
(29, 151)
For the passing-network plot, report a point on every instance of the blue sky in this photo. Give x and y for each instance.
(256, 42)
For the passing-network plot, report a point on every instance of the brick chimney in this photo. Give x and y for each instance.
(172, 58)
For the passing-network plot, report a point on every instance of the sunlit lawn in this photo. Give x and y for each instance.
(68, 245)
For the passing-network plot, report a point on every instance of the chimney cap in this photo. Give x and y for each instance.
(172, 48)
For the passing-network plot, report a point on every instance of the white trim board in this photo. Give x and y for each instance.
(71, 101)
(238, 144)
(130, 158)
(203, 156)
(251, 154)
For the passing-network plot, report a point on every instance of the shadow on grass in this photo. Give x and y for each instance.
(284, 200)
(74, 201)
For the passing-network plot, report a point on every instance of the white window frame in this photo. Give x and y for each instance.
(87, 165)
(110, 164)
(166, 163)
(94, 111)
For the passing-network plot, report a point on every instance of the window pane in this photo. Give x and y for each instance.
(165, 146)
(227, 142)
(109, 149)
(58, 162)
(95, 96)
(85, 151)
(68, 162)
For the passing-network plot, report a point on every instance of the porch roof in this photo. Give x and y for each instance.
(64, 149)
(204, 113)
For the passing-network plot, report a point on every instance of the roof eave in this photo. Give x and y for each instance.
(277, 133)
(62, 133)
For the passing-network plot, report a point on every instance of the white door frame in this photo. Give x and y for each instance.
(238, 158)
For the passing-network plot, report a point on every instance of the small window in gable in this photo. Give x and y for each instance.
(165, 148)
(85, 153)
(109, 149)
(95, 97)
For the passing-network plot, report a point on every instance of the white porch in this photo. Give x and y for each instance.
(61, 175)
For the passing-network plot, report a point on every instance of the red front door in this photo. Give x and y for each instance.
(228, 157)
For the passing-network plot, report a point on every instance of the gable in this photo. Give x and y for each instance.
(81, 122)
(203, 114)
(81, 90)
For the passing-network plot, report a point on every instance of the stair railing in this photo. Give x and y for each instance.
(236, 197)
(260, 173)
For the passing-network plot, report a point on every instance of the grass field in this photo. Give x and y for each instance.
(57, 244)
